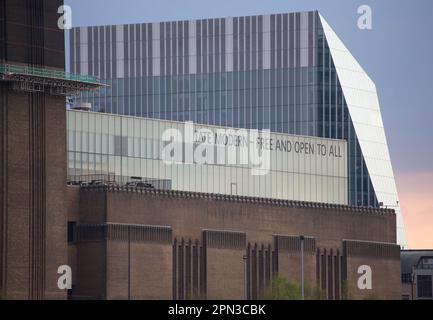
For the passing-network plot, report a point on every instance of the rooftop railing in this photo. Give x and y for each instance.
(116, 180)
(46, 73)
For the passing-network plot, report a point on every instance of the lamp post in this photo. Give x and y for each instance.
(302, 267)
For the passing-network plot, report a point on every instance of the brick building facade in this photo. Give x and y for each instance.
(148, 244)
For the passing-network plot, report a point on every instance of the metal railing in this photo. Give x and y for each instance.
(46, 73)
(111, 179)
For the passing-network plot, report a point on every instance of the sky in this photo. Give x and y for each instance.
(397, 53)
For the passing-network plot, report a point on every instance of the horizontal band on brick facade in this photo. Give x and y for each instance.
(293, 243)
(225, 239)
(242, 199)
(371, 249)
(123, 232)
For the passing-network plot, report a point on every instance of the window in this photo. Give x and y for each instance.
(71, 231)
(121, 146)
(406, 278)
(234, 188)
(424, 286)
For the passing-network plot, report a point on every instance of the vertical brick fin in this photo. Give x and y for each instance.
(343, 272)
(318, 268)
(175, 267)
(371, 249)
(253, 266)
(2, 33)
(188, 268)
(203, 273)
(330, 272)
(197, 270)
(337, 275)
(35, 21)
(321, 256)
(330, 275)
(275, 262)
(3, 183)
(37, 214)
(181, 268)
(248, 270)
(224, 239)
(260, 270)
(293, 243)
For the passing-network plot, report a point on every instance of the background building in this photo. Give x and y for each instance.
(417, 274)
(289, 73)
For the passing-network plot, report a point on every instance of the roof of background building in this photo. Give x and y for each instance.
(410, 258)
(198, 19)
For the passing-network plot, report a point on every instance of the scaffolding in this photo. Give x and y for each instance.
(53, 82)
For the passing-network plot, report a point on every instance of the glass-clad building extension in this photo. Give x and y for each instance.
(117, 148)
(289, 73)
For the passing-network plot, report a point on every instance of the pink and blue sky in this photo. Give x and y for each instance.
(416, 198)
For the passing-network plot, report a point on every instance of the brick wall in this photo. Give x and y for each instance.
(203, 255)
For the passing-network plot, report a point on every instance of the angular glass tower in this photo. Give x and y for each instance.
(287, 72)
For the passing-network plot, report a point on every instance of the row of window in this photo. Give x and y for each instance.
(215, 178)
(229, 80)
